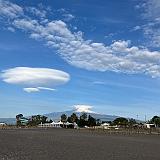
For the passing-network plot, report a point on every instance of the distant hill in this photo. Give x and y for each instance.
(8, 120)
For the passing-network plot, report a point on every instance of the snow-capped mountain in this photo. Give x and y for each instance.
(79, 109)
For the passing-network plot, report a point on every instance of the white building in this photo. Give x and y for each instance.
(57, 124)
(53, 124)
(2, 124)
(105, 125)
(147, 125)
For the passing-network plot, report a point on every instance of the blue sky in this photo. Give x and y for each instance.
(57, 54)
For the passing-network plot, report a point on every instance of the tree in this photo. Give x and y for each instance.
(50, 121)
(156, 121)
(98, 122)
(37, 119)
(43, 119)
(131, 122)
(18, 119)
(19, 116)
(74, 118)
(83, 116)
(83, 120)
(69, 119)
(64, 118)
(91, 121)
(120, 121)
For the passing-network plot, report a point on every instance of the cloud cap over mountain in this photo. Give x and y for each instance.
(83, 108)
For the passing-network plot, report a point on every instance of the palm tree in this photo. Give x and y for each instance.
(64, 118)
(83, 116)
(18, 117)
(74, 118)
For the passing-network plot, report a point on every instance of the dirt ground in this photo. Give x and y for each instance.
(69, 144)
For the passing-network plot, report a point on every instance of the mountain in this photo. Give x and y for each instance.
(79, 109)
(57, 115)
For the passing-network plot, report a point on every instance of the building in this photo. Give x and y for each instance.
(2, 124)
(105, 125)
(58, 125)
(149, 126)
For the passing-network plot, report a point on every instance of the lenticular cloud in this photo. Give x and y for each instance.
(35, 77)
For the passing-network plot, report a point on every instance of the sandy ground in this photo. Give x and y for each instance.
(66, 144)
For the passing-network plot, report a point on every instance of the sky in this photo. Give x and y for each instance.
(104, 55)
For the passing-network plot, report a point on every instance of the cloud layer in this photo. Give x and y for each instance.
(35, 79)
(120, 56)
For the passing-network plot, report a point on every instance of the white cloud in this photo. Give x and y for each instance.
(136, 28)
(99, 83)
(83, 108)
(151, 14)
(120, 56)
(9, 9)
(68, 17)
(11, 29)
(35, 79)
(46, 88)
(37, 12)
(37, 89)
(30, 90)
(151, 8)
(26, 24)
(65, 14)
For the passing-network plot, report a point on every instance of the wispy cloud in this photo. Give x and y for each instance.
(150, 12)
(36, 12)
(66, 15)
(36, 78)
(37, 89)
(99, 83)
(120, 56)
(104, 20)
(30, 90)
(46, 88)
(136, 28)
(123, 85)
(10, 10)
(11, 29)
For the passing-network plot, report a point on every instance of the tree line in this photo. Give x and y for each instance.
(83, 120)
(32, 121)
